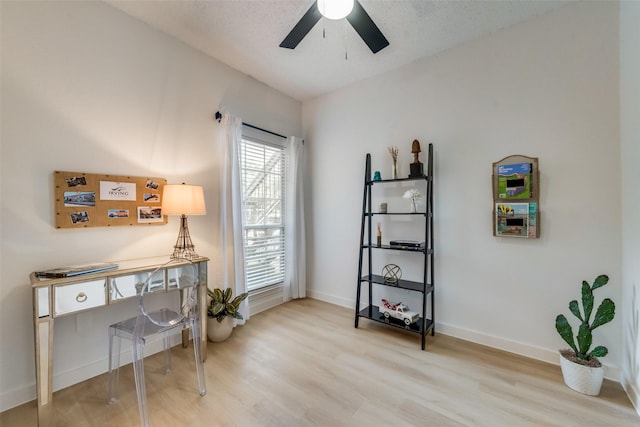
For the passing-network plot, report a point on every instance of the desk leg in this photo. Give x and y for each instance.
(202, 314)
(202, 301)
(43, 329)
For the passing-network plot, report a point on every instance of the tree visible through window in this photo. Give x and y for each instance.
(263, 191)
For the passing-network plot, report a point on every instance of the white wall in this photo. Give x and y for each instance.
(87, 88)
(547, 88)
(630, 154)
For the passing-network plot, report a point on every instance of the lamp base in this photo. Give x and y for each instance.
(179, 253)
(416, 170)
(184, 248)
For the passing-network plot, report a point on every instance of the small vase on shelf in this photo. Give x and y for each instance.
(394, 158)
(413, 196)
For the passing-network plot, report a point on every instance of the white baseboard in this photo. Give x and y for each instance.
(633, 393)
(12, 398)
(265, 299)
(67, 378)
(259, 301)
(273, 297)
(343, 302)
(546, 355)
(551, 356)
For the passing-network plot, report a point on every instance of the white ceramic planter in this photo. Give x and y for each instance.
(583, 379)
(219, 331)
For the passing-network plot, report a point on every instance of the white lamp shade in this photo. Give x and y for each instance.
(179, 199)
(335, 9)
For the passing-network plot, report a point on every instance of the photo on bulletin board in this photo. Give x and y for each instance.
(149, 214)
(79, 198)
(93, 200)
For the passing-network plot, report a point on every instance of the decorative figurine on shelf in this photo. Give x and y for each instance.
(379, 237)
(394, 156)
(391, 273)
(414, 196)
(416, 168)
(376, 176)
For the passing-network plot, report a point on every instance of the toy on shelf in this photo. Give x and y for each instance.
(398, 310)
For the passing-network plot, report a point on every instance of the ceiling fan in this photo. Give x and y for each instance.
(357, 17)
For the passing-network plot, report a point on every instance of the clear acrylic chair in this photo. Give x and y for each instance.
(163, 323)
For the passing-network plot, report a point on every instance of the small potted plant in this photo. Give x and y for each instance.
(221, 312)
(581, 369)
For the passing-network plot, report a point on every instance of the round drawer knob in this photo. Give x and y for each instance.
(81, 297)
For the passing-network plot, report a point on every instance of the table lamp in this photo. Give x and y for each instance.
(183, 199)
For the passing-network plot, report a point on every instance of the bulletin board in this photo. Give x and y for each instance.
(92, 200)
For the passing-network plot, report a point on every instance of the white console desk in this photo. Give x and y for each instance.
(53, 298)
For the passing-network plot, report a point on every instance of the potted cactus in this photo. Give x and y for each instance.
(581, 369)
(221, 312)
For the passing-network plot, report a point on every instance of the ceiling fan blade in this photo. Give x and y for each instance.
(303, 26)
(368, 30)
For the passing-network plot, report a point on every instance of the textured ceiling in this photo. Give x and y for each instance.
(245, 34)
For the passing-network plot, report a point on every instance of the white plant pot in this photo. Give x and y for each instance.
(583, 379)
(219, 331)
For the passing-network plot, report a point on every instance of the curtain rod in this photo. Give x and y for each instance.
(219, 117)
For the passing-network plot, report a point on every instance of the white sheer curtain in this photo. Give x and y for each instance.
(295, 270)
(230, 241)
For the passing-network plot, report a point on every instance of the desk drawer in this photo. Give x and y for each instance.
(79, 296)
(130, 285)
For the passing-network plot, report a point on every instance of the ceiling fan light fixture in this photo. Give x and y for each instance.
(352, 10)
(335, 9)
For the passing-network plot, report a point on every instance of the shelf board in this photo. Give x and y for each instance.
(376, 316)
(416, 178)
(402, 284)
(398, 213)
(427, 214)
(393, 248)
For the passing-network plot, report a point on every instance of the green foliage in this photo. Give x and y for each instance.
(221, 304)
(604, 314)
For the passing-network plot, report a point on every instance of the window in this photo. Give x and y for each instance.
(262, 163)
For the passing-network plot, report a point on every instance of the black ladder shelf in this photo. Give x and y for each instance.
(424, 324)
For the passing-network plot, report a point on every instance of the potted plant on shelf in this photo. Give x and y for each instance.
(221, 312)
(581, 369)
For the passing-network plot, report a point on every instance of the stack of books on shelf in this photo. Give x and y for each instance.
(406, 244)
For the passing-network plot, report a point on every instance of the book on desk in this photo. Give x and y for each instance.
(75, 270)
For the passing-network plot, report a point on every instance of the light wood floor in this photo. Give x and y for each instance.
(304, 364)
